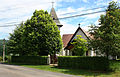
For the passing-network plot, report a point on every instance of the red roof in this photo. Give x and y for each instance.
(66, 38)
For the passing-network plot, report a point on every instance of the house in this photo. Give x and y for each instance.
(68, 38)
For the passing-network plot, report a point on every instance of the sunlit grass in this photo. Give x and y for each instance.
(115, 65)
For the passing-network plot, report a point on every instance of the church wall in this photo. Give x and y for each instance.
(80, 33)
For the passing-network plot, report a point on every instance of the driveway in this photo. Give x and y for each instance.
(20, 71)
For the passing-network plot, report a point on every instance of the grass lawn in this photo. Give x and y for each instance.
(85, 73)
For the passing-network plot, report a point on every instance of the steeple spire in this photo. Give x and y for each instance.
(55, 18)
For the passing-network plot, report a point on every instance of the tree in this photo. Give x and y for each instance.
(37, 36)
(107, 36)
(14, 44)
(80, 46)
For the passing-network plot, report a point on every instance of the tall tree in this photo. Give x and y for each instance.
(107, 36)
(80, 46)
(14, 44)
(37, 36)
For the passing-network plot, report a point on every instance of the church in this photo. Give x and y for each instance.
(68, 38)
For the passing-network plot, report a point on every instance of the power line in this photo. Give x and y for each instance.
(13, 22)
(81, 15)
(14, 8)
(84, 10)
(9, 25)
(62, 18)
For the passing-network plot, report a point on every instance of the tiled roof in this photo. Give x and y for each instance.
(88, 35)
(66, 38)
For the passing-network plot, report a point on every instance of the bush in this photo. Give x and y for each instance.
(90, 63)
(1, 58)
(37, 60)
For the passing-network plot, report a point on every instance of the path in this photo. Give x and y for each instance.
(20, 71)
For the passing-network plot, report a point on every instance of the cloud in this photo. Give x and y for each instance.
(85, 21)
(64, 12)
(85, 28)
(67, 28)
(115, 0)
(66, 0)
(85, 1)
(20, 10)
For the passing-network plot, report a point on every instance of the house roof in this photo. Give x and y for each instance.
(55, 18)
(89, 35)
(66, 38)
(76, 33)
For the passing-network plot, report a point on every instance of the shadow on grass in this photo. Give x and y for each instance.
(72, 71)
(83, 72)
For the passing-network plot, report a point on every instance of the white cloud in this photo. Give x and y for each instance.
(85, 21)
(20, 10)
(85, 1)
(16, 9)
(66, 12)
(67, 28)
(85, 28)
(66, 0)
(115, 0)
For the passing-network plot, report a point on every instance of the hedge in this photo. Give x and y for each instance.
(37, 60)
(90, 63)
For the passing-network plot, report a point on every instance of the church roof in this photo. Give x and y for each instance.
(66, 38)
(85, 33)
(55, 18)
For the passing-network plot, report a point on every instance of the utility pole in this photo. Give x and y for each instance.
(3, 50)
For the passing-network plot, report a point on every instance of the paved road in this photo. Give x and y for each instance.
(19, 71)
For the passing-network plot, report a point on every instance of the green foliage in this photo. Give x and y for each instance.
(37, 36)
(90, 63)
(80, 46)
(1, 58)
(37, 60)
(107, 36)
(81, 72)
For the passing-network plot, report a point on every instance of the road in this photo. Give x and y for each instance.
(20, 71)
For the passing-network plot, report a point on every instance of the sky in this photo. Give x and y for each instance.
(13, 12)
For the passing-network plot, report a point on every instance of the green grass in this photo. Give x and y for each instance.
(115, 65)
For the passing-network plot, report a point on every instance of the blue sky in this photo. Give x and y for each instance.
(13, 12)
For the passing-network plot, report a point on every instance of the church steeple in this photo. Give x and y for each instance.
(55, 18)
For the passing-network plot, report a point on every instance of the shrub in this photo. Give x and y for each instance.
(1, 58)
(37, 60)
(90, 63)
